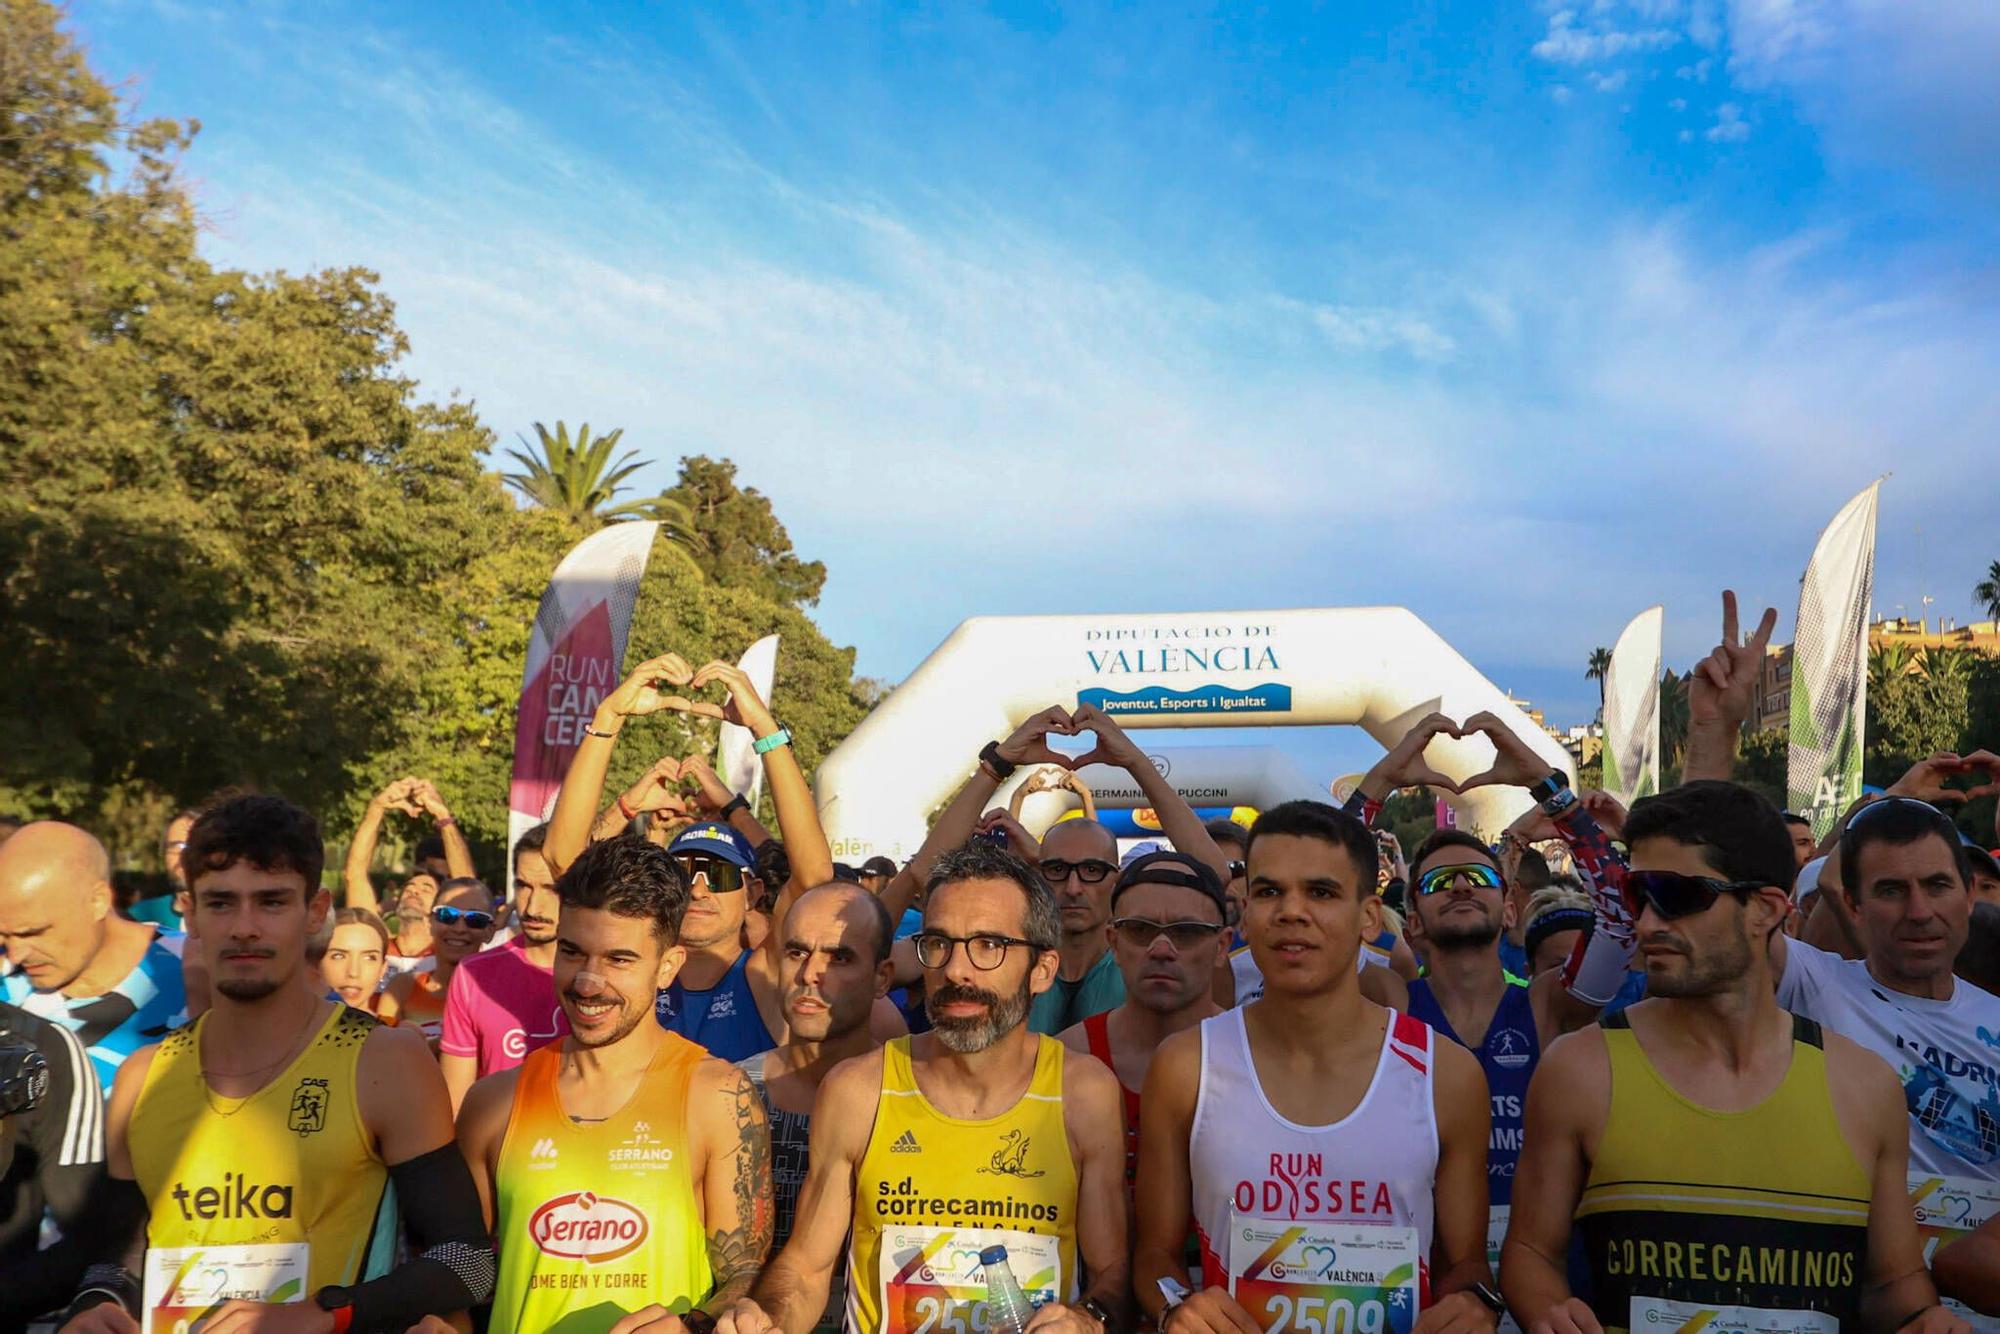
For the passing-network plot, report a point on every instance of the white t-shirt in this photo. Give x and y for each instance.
(1946, 1053)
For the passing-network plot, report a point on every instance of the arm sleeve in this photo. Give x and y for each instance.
(452, 1268)
(1363, 808)
(460, 1036)
(1597, 966)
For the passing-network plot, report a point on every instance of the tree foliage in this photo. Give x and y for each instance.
(1986, 593)
(578, 478)
(237, 546)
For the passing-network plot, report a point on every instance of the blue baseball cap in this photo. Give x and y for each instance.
(710, 839)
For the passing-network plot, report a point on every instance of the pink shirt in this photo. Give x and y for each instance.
(499, 1008)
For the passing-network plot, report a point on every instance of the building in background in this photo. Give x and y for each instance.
(1771, 705)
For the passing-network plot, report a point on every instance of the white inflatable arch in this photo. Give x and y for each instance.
(1207, 777)
(1379, 668)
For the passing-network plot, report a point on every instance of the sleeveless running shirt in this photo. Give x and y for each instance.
(1508, 1056)
(723, 1018)
(289, 1173)
(1376, 1167)
(1097, 1033)
(1687, 1209)
(931, 1190)
(597, 1220)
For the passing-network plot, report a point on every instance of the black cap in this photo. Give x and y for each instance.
(1983, 862)
(881, 866)
(1173, 868)
(842, 871)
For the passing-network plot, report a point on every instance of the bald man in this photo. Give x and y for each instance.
(116, 984)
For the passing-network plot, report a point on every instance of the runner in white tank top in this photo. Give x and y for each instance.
(1330, 1152)
(1377, 1165)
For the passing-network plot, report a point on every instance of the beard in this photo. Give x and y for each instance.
(248, 988)
(629, 1017)
(966, 1035)
(1705, 975)
(1460, 934)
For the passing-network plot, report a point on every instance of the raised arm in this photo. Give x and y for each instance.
(1720, 689)
(806, 847)
(1183, 828)
(1028, 744)
(457, 853)
(1568, 1099)
(644, 692)
(791, 1293)
(716, 802)
(361, 848)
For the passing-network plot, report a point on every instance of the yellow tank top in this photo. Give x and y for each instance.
(598, 1220)
(1765, 1209)
(932, 1190)
(292, 1163)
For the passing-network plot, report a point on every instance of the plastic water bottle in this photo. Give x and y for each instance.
(1007, 1309)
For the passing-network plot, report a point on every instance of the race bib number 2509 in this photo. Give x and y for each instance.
(1319, 1278)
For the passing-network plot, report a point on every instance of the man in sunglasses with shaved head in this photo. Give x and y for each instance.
(1717, 1153)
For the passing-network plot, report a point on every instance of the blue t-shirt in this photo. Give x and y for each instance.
(1508, 1056)
(149, 1001)
(1513, 958)
(723, 1018)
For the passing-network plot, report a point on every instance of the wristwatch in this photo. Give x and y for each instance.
(1096, 1310)
(1553, 795)
(733, 805)
(1493, 1301)
(989, 755)
(764, 745)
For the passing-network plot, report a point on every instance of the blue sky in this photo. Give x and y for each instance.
(1522, 316)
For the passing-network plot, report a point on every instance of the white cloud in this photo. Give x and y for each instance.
(1895, 82)
(1608, 83)
(1698, 71)
(1567, 44)
(1729, 127)
(1678, 104)
(1561, 93)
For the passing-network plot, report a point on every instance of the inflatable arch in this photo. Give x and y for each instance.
(1379, 668)
(1212, 779)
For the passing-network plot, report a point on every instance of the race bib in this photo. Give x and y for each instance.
(1654, 1313)
(185, 1283)
(933, 1283)
(1324, 1278)
(1947, 1208)
(1496, 1233)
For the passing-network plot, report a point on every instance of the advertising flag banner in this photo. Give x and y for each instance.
(739, 768)
(1632, 710)
(575, 655)
(1830, 665)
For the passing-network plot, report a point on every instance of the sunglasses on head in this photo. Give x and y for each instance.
(1141, 932)
(1091, 871)
(448, 916)
(1881, 804)
(723, 877)
(1475, 874)
(1672, 894)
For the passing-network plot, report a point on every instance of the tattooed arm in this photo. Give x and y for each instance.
(732, 1145)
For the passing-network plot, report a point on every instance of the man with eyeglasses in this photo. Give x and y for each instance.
(727, 996)
(1722, 1158)
(1168, 930)
(975, 1136)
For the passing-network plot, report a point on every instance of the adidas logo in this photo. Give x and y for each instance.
(906, 1143)
(544, 1151)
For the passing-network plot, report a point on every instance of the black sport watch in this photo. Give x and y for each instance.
(989, 755)
(1096, 1310)
(1492, 1300)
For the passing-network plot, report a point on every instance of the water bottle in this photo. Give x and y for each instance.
(1007, 1309)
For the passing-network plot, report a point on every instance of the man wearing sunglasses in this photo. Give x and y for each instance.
(1168, 931)
(1714, 1150)
(1458, 903)
(976, 1134)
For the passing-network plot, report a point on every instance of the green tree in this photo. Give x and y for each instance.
(737, 539)
(1599, 671)
(579, 478)
(1673, 722)
(1986, 593)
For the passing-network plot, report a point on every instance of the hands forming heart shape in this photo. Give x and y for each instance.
(1029, 742)
(1927, 779)
(1515, 763)
(651, 688)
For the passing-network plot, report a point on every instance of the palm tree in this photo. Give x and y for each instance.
(1600, 668)
(580, 478)
(1987, 592)
(1673, 717)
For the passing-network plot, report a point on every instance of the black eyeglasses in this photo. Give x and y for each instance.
(444, 915)
(1091, 870)
(1141, 932)
(934, 949)
(723, 877)
(1673, 895)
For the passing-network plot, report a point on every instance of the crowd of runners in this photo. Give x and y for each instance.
(1683, 1064)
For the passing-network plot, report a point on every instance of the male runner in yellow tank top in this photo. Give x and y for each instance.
(253, 1152)
(975, 1134)
(627, 1172)
(1720, 1156)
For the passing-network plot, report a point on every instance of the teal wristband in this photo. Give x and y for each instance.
(765, 745)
